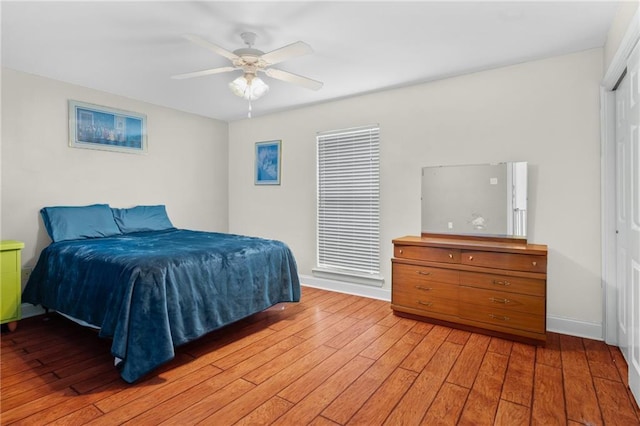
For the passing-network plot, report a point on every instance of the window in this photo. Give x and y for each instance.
(349, 201)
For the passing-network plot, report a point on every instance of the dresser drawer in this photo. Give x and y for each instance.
(426, 289)
(510, 261)
(507, 283)
(415, 275)
(438, 299)
(430, 254)
(490, 299)
(503, 317)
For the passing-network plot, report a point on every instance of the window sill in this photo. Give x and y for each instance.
(350, 277)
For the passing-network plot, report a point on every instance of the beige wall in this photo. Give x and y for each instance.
(544, 112)
(621, 21)
(185, 168)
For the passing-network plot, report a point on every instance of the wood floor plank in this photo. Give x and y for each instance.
(238, 356)
(447, 406)
(380, 404)
(421, 327)
(350, 401)
(339, 322)
(322, 421)
(389, 320)
(299, 389)
(225, 342)
(482, 402)
(458, 336)
(331, 359)
(346, 302)
(382, 344)
(549, 354)
(500, 346)
(468, 364)
(197, 411)
(548, 397)
(614, 403)
(424, 351)
(254, 363)
(251, 400)
(510, 414)
(369, 308)
(350, 334)
(600, 361)
(353, 306)
(269, 369)
(63, 406)
(620, 364)
(43, 391)
(35, 406)
(78, 417)
(416, 401)
(518, 382)
(206, 393)
(129, 393)
(580, 395)
(314, 402)
(157, 397)
(266, 413)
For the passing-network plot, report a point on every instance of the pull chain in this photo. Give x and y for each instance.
(249, 114)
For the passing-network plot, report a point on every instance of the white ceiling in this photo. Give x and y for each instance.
(132, 48)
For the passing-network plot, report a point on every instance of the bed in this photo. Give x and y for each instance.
(151, 287)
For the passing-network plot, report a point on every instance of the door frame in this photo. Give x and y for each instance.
(608, 178)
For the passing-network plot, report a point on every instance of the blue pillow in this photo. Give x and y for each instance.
(142, 218)
(79, 222)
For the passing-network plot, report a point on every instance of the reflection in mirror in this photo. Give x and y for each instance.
(481, 199)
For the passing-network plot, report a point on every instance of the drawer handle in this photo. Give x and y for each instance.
(499, 300)
(504, 283)
(470, 257)
(401, 251)
(450, 256)
(498, 317)
(420, 302)
(534, 263)
(421, 287)
(423, 273)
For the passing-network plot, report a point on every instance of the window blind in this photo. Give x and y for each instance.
(349, 200)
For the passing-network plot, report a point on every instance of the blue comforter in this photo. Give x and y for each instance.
(153, 291)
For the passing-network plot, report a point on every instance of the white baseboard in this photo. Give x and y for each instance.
(29, 310)
(345, 287)
(572, 327)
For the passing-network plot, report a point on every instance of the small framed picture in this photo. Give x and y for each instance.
(268, 163)
(109, 129)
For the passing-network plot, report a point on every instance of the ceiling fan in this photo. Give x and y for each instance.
(251, 61)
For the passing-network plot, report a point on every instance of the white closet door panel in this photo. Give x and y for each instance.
(633, 222)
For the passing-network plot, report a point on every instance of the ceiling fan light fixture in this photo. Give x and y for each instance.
(249, 87)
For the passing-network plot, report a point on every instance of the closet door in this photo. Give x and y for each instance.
(628, 217)
(633, 71)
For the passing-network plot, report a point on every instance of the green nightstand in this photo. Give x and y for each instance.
(10, 288)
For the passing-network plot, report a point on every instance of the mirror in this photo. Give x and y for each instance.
(480, 199)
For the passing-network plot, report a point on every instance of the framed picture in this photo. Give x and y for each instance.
(268, 163)
(109, 129)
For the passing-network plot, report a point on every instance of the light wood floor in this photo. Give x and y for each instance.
(331, 359)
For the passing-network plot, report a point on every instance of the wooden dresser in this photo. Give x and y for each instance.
(485, 284)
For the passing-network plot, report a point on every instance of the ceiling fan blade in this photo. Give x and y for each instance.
(292, 50)
(202, 73)
(294, 78)
(212, 47)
